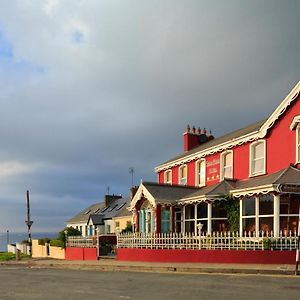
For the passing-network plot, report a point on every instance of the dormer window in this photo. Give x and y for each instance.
(183, 175)
(258, 158)
(168, 177)
(201, 172)
(226, 165)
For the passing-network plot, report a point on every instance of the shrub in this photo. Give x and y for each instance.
(69, 231)
(56, 243)
(43, 241)
(128, 229)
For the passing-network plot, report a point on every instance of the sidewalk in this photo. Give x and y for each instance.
(105, 264)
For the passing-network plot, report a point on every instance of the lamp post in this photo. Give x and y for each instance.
(199, 227)
(29, 223)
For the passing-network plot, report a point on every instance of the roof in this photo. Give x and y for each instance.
(220, 140)
(285, 176)
(114, 208)
(83, 216)
(166, 193)
(176, 194)
(99, 209)
(96, 219)
(212, 192)
(123, 212)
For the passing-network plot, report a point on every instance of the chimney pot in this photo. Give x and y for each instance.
(188, 128)
(199, 130)
(204, 131)
(194, 129)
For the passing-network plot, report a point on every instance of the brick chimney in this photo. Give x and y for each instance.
(110, 198)
(193, 138)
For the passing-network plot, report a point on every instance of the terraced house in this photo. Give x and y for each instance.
(258, 166)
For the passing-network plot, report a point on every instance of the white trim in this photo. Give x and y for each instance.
(251, 147)
(222, 156)
(297, 143)
(295, 122)
(250, 137)
(142, 191)
(265, 189)
(179, 175)
(293, 94)
(197, 165)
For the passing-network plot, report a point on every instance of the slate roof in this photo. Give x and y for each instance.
(96, 219)
(172, 194)
(222, 188)
(220, 140)
(124, 212)
(285, 176)
(99, 209)
(167, 193)
(83, 216)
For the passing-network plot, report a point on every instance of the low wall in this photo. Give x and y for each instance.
(207, 256)
(41, 251)
(74, 253)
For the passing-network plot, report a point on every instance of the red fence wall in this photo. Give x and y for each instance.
(73, 253)
(207, 256)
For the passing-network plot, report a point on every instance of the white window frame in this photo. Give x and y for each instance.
(198, 169)
(179, 175)
(297, 143)
(251, 159)
(165, 177)
(222, 159)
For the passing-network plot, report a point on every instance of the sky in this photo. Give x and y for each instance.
(91, 88)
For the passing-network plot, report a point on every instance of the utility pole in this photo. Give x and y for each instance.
(131, 171)
(29, 223)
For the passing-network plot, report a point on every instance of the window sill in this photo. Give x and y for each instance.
(258, 174)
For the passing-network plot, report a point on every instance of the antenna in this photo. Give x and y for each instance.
(108, 189)
(131, 171)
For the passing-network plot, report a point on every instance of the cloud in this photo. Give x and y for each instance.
(90, 88)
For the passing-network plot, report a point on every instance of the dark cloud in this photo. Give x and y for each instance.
(89, 89)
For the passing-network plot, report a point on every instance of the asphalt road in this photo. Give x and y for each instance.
(24, 283)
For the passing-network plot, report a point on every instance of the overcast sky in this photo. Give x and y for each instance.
(89, 88)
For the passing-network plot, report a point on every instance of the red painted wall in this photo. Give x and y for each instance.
(207, 256)
(73, 253)
(191, 171)
(161, 177)
(175, 175)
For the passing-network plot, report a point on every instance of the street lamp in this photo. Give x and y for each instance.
(199, 227)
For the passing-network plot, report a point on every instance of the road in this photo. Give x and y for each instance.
(24, 283)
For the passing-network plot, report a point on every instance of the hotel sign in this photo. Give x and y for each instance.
(290, 189)
(213, 169)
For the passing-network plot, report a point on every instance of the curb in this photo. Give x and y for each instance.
(143, 268)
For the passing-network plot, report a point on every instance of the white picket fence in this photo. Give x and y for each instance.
(215, 241)
(82, 242)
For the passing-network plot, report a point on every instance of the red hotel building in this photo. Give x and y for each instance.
(257, 165)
